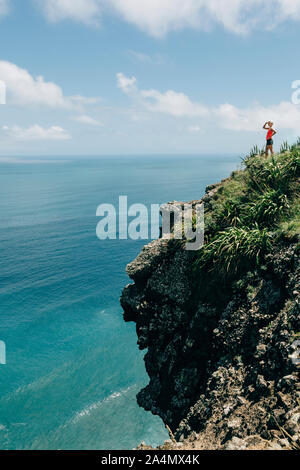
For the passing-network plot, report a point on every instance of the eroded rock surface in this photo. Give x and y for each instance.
(222, 367)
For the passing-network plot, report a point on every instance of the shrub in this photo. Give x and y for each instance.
(234, 250)
(230, 213)
(292, 163)
(290, 227)
(269, 174)
(267, 208)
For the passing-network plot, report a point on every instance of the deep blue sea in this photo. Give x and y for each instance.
(73, 367)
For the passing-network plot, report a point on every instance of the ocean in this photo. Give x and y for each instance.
(73, 368)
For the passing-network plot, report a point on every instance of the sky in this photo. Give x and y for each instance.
(141, 77)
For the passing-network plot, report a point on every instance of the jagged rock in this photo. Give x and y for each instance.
(143, 266)
(251, 443)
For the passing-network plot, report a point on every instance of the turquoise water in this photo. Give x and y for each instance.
(73, 368)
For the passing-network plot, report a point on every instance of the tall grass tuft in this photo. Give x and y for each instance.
(231, 213)
(267, 208)
(234, 250)
(292, 163)
(284, 147)
(254, 151)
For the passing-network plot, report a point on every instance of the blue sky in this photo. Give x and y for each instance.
(146, 76)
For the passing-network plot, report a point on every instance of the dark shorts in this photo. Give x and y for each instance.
(269, 142)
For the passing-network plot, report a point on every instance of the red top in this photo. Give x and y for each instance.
(270, 134)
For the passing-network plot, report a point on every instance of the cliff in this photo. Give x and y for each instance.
(221, 326)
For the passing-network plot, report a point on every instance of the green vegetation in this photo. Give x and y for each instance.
(268, 208)
(251, 211)
(285, 147)
(235, 249)
(290, 226)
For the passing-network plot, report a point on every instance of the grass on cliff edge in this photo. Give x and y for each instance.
(250, 211)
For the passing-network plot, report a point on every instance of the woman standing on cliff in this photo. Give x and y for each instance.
(270, 135)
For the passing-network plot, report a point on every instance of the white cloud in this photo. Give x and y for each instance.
(146, 58)
(4, 7)
(158, 17)
(141, 56)
(24, 89)
(195, 129)
(285, 115)
(35, 132)
(88, 120)
(171, 102)
(85, 11)
(85, 100)
(126, 84)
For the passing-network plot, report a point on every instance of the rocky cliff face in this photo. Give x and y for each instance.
(222, 365)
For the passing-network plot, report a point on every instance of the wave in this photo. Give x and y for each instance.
(95, 406)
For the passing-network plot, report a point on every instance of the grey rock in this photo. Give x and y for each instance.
(218, 361)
